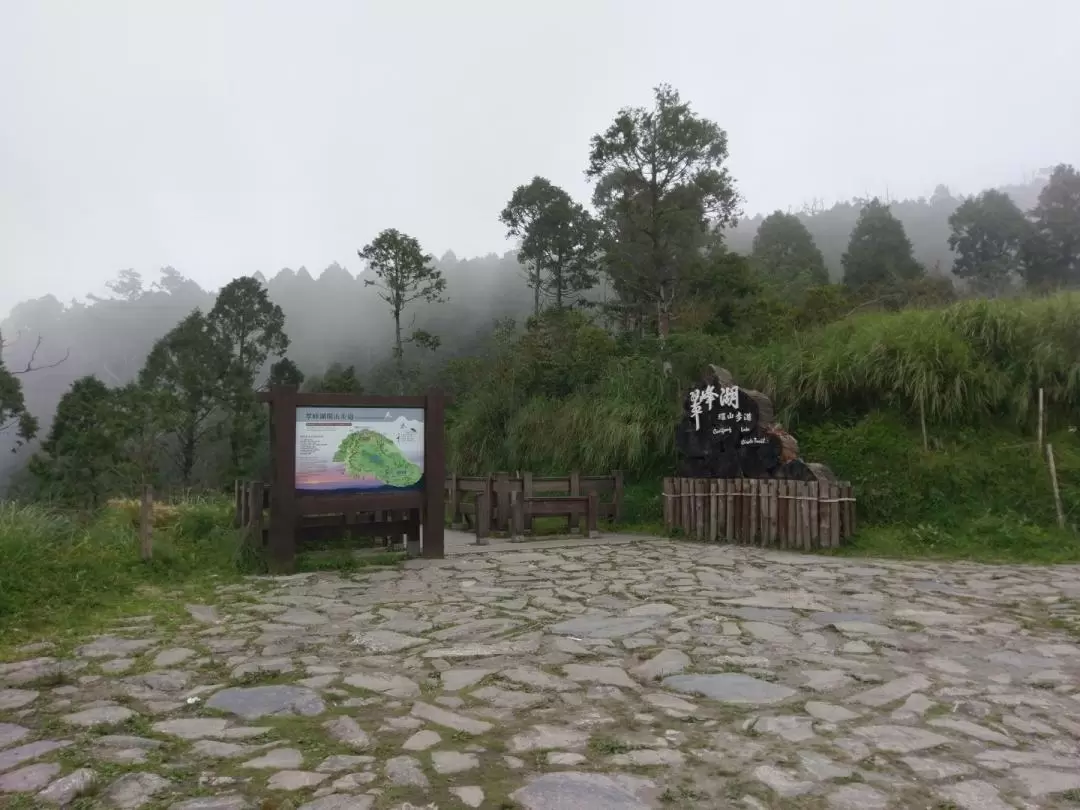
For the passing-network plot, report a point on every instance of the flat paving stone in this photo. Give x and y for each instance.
(29, 778)
(730, 687)
(570, 790)
(254, 702)
(604, 626)
(619, 674)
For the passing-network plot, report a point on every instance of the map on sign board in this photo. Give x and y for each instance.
(359, 449)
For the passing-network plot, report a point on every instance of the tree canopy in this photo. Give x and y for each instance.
(879, 258)
(784, 254)
(661, 189)
(989, 233)
(559, 241)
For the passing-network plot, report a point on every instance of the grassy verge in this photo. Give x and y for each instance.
(62, 569)
(981, 494)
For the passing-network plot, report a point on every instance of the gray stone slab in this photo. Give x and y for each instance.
(24, 753)
(605, 626)
(730, 687)
(261, 701)
(573, 790)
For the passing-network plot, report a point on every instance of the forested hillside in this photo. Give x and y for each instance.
(574, 350)
(925, 221)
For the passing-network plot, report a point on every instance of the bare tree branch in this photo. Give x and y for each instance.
(33, 356)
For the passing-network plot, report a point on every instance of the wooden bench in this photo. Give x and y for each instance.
(501, 488)
(523, 510)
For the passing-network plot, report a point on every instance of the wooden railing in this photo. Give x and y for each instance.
(500, 489)
(779, 514)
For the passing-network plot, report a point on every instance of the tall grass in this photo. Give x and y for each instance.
(853, 392)
(973, 363)
(57, 566)
(964, 364)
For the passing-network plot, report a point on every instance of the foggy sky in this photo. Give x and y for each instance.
(224, 137)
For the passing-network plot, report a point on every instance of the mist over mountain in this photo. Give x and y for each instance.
(925, 220)
(333, 317)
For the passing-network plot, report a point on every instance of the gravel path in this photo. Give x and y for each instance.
(628, 677)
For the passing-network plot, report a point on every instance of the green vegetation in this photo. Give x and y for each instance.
(61, 567)
(918, 387)
(367, 453)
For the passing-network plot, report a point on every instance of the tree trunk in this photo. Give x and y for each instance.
(558, 290)
(536, 292)
(399, 354)
(146, 523)
(187, 455)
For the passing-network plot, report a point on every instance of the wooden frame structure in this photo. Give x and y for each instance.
(417, 514)
(499, 492)
(764, 512)
(523, 510)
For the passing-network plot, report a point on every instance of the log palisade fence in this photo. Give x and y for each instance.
(763, 512)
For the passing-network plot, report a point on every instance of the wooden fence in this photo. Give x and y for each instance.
(252, 498)
(779, 514)
(465, 492)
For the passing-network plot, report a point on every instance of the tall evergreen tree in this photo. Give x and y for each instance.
(879, 255)
(661, 189)
(989, 232)
(249, 328)
(1052, 256)
(558, 241)
(785, 256)
(188, 365)
(81, 454)
(403, 274)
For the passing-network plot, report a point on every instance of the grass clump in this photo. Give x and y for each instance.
(60, 566)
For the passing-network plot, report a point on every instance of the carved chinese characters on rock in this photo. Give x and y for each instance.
(729, 432)
(721, 436)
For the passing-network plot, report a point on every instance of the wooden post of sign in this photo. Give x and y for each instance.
(412, 536)
(282, 539)
(434, 475)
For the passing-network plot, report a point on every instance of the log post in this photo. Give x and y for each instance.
(483, 517)
(238, 503)
(517, 515)
(502, 501)
(592, 514)
(527, 492)
(455, 502)
(255, 513)
(1042, 417)
(575, 490)
(146, 523)
(1054, 482)
(434, 511)
(618, 497)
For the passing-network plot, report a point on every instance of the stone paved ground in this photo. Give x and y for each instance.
(601, 678)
